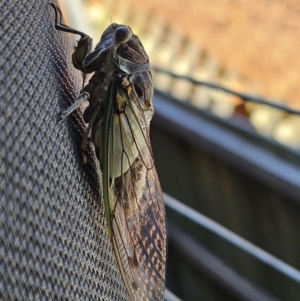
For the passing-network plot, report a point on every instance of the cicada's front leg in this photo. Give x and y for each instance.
(83, 59)
(84, 44)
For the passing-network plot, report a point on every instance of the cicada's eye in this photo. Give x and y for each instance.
(123, 34)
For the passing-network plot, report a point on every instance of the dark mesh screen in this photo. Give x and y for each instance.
(54, 241)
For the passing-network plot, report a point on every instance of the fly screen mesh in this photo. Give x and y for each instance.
(54, 240)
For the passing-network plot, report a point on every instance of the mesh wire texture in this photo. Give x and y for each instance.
(54, 240)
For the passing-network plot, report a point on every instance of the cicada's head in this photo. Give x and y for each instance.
(126, 50)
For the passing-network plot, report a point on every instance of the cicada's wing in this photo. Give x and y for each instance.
(137, 210)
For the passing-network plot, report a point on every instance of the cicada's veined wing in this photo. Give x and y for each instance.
(137, 212)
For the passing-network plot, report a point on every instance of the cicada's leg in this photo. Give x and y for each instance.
(83, 59)
(84, 46)
(63, 27)
(92, 120)
(79, 100)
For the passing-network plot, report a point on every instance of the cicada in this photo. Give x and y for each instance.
(118, 114)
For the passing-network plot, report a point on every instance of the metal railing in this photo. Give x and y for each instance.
(169, 296)
(233, 238)
(242, 96)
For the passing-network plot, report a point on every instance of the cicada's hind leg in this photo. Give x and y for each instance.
(91, 121)
(79, 100)
(84, 46)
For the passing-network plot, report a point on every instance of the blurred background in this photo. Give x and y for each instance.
(219, 148)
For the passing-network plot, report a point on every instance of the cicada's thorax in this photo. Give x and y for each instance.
(119, 51)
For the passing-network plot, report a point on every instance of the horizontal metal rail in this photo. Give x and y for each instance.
(233, 238)
(260, 162)
(169, 296)
(243, 96)
(222, 275)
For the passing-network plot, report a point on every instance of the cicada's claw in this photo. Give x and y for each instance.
(61, 116)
